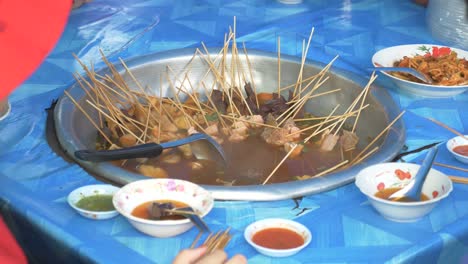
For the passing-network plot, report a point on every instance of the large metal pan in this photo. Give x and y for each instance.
(75, 132)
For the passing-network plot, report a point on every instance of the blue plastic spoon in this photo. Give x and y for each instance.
(412, 191)
(411, 71)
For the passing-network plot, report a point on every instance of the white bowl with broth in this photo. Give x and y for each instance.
(137, 193)
(373, 179)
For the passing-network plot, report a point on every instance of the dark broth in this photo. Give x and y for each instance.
(97, 203)
(250, 162)
(385, 193)
(141, 211)
(278, 238)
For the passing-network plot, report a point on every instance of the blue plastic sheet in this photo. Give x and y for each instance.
(35, 181)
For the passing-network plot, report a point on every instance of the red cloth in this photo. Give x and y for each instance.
(29, 29)
(10, 251)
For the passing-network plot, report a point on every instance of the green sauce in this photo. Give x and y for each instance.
(98, 202)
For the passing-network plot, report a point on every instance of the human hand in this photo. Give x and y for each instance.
(198, 256)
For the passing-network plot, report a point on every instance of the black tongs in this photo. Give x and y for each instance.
(203, 147)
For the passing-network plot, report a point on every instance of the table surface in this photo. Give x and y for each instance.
(35, 181)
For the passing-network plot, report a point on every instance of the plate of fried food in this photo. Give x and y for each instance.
(446, 68)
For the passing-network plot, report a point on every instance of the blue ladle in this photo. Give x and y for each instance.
(424, 78)
(412, 191)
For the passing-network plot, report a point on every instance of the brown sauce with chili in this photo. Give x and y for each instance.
(385, 193)
(278, 238)
(462, 150)
(141, 211)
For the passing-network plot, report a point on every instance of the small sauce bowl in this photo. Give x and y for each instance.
(379, 177)
(456, 142)
(92, 190)
(277, 223)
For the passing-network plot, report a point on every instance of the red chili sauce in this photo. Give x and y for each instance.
(278, 238)
(462, 150)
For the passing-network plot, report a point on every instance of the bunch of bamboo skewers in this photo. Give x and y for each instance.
(110, 95)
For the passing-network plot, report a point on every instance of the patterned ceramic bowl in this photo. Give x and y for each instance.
(85, 191)
(396, 175)
(138, 192)
(386, 57)
(457, 142)
(260, 225)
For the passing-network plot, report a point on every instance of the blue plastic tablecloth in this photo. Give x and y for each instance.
(34, 181)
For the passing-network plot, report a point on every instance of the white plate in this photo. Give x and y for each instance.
(386, 57)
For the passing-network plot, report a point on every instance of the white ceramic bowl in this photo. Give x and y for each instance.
(138, 192)
(386, 57)
(454, 142)
(381, 176)
(281, 223)
(89, 190)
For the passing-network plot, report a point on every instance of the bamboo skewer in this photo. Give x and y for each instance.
(89, 118)
(279, 65)
(448, 128)
(372, 79)
(321, 123)
(292, 111)
(292, 149)
(366, 155)
(330, 169)
(459, 179)
(147, 123)
(251, 75)
(304, 56)
(450, 166)
(223, 123)
(223, 85)
(296, 106)
(332, 118)
(176, 96)
(353, 104)
(123, 127)
(248, 121)
(303, 81)
(279, 164)
(377, 137)
(78, 80)
(312, 79)
(108, 105)
(219, 240)
(197, 238)
(160, 107)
